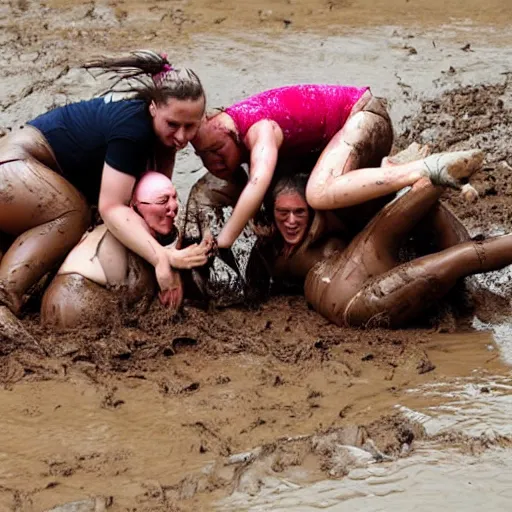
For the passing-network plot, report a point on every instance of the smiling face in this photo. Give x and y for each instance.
(291, 215)
(176, 122)
(217, 148)
(157, 202)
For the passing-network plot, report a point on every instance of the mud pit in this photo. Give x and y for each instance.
(152, 411)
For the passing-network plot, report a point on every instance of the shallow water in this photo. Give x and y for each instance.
(448, 471)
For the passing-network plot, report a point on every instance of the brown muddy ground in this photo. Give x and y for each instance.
(138, 410)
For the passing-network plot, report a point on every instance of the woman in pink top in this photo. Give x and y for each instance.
(342, 128)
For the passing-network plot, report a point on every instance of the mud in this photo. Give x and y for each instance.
(158, 413)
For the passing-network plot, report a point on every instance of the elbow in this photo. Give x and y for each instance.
(107, 207)
(103, 209)
(314, 197)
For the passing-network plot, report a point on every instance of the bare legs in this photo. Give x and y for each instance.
(46, 214)
(338, 182)
(365, 286)
(331, 284)
(43, 215)
(401, 294)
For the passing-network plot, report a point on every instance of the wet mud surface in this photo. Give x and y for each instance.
(153, 413)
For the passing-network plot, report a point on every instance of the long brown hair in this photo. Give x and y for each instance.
(149, 76)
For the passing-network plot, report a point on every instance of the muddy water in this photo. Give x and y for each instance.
(152, 413)
(150, 438)
(465, 464)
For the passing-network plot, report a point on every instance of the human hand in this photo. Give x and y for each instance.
(194, 255)
(173, 296)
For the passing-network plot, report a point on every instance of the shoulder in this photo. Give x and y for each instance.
(129, 119)
(264, 130)
(126, 109)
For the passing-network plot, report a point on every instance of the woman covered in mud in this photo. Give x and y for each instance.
(342, 133)
(361, 282)
(91, 153)
(101, 278)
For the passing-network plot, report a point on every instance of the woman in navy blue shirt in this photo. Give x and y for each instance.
(91, 153)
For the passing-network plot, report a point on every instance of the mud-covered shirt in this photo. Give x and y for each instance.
(87, 134)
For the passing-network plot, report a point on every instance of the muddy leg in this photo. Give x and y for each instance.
(440, 227)
(13, 334)
(35, 252)
(47, 215)
(330, 285)
(398, 296)
(378, 244)
(331, 186)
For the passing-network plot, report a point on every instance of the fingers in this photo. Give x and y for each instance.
(170, 298)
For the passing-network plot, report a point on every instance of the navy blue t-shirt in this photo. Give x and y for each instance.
(87, 134)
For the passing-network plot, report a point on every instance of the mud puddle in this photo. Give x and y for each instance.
(172, 436)
(463, 460)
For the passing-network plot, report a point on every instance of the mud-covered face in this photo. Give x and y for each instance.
(177, 121)
(217, 148)
(291, 215)
(159, 209)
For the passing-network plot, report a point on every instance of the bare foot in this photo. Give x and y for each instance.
(448, 169)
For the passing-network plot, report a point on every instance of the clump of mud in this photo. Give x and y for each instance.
(473, 117)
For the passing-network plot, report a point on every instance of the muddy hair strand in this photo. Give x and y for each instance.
(148, 76)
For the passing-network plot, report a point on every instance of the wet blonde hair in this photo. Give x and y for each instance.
(149, 76)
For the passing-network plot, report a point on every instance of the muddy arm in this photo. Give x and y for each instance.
(205, 202)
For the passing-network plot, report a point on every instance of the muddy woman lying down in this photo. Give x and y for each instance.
(101, 278)
(362, 283)
(359, 281)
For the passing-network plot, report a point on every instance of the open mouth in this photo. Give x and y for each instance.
(292, 232)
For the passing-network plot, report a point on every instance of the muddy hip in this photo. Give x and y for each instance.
(73, 300)
(32, 191)
(28, 143)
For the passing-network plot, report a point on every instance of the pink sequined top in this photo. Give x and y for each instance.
(309, 115)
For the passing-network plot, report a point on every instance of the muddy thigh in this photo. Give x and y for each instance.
(44, 213)
(72, 300)
(365, 139)
(330, 285)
